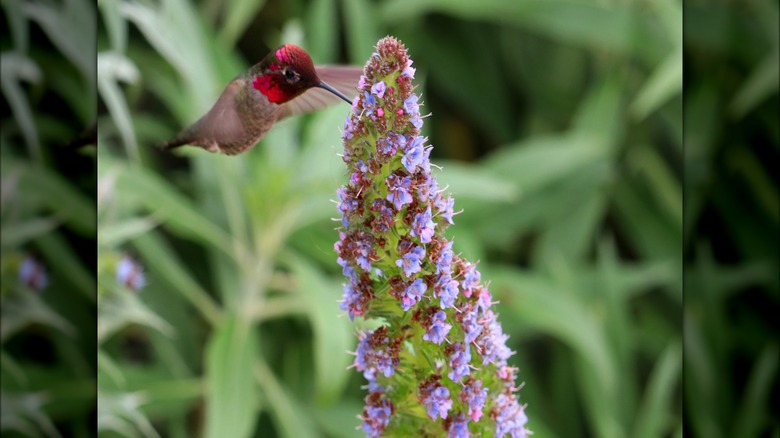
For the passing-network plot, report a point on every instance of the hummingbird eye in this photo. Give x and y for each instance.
(291, 75)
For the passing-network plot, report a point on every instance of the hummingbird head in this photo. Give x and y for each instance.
(286, 73)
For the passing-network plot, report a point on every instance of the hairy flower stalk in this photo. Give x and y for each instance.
(438, 365)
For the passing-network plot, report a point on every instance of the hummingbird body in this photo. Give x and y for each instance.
(283, 84)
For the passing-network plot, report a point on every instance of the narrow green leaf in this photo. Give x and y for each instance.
(467, 181)
(760, 84)
(165, 265)
(67, 203)
(322, 35)
(238, 15)
(16, 234)
(167, 204)
(288, 414)
(653, 416)
(16, 67)
(332, 334)
(664, 83)
(113, 68)
(361, 30)
(118, 233)
(231, 394)
(756, 402)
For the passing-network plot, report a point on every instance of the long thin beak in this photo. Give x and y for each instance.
(334, 91)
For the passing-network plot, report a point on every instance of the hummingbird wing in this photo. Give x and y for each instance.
(341, 77)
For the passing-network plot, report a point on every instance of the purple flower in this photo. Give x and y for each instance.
(510, 417)
(399, 191)
(411, 106)
(492, 341)
(423, 226)
(412, 159)
(374, 355)
(459, 427)
(438, 328)
(355, 298)
(410, 262)
(469, 322)
(409, 70)
(445, 207)
(33, 274)
(435, 398)
(460, 358)
(471, 278)
(446, 290)
(130, 273)
(412, 294)
(379, 89)
(474, 395)
(444, 260)
(376, 415)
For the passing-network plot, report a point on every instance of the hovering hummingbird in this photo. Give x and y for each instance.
(283, 84)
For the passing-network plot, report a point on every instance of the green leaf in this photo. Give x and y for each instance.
(16, 234)
(238, 15)
(170, 206)
(547, 306)
(322, 35)
(71, 28)
(615, 27)
(231, 394)
(653, 414)
(332, 334)
(534, 163)
(361, 30)
(112, 69)
(468, 181)
(15, 68)
(165, 265)
(759, 85)
(288, 414)
(665, 82)
(116, 234)
(51, 189)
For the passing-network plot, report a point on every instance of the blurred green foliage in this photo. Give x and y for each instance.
(560, 128)
(47, 346)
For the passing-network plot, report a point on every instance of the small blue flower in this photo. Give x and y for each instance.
(459, 427)
(33, 274)
(130, 273)
(446, 289)
(423, 226)
(438, 328)
(399, 191)
(376, 415)
(412, 294)
(436, 399)
(379, 89)
(444, 261)
(510, 417)
(410, 105)
(412, 159)
(459, 362)
(471, 278)
(410, 262)
(474, 395)
(469, 322)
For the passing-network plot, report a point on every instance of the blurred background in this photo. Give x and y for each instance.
(588, 181)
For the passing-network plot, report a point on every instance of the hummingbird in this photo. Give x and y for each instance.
(283, 84)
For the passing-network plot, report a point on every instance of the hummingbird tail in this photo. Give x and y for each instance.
(173, 143)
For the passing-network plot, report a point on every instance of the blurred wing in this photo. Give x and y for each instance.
(343, 78)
